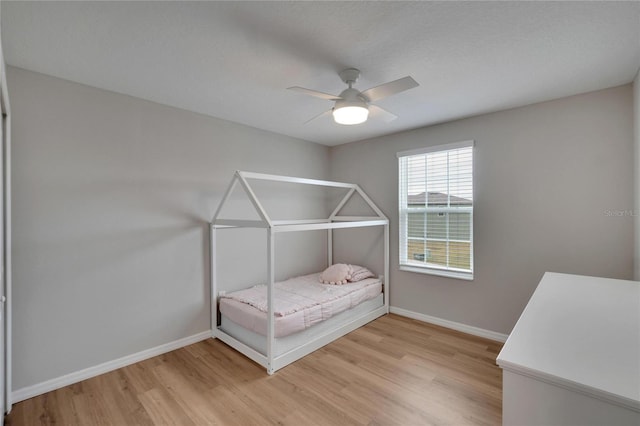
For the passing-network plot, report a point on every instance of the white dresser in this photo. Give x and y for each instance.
(573, 357)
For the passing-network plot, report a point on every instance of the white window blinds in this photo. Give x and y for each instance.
(436, 210)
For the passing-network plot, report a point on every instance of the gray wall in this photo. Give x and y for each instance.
(550, 181)
(636, 168)
(112, 195)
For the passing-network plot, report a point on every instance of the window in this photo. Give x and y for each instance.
(436, 210)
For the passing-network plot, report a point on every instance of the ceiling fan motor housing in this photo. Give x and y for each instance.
(351, 97)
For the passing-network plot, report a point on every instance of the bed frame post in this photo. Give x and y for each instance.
(329, 247)
(386, 267)
(270, 310)
(212, 272)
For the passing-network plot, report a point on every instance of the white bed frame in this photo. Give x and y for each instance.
(271, 361)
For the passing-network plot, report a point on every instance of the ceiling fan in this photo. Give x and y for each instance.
(353, 106)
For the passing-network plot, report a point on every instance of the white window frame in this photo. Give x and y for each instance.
(405, 264)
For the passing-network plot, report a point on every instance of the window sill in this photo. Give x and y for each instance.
(441, 273)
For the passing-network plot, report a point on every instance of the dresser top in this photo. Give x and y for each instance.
(582, 333)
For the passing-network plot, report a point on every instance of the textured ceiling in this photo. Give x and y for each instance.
(234, 60)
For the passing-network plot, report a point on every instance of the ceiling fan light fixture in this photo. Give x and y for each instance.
(350, 114)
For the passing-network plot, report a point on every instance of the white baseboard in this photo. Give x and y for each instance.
(469, 329)
(87, 373)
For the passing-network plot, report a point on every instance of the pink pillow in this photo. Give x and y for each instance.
(359, 273)
(339, 273)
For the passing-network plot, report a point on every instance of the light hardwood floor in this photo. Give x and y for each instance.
(393, 371)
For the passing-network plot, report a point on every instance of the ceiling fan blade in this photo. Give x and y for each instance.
(315, 93)
(390, 88)
(383, 114)
(322, 114)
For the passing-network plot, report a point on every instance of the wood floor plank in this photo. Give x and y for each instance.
(163, 409)
(90, 408)
(192, 399)
(113, 409)
(392, 371)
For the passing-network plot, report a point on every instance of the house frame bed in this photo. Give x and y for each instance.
(271, 360)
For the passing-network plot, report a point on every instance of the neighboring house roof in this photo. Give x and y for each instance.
(437, 198)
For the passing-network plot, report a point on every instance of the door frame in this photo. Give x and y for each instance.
(5, 113)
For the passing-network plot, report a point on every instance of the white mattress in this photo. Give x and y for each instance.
(300, 303)
(285, 344)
